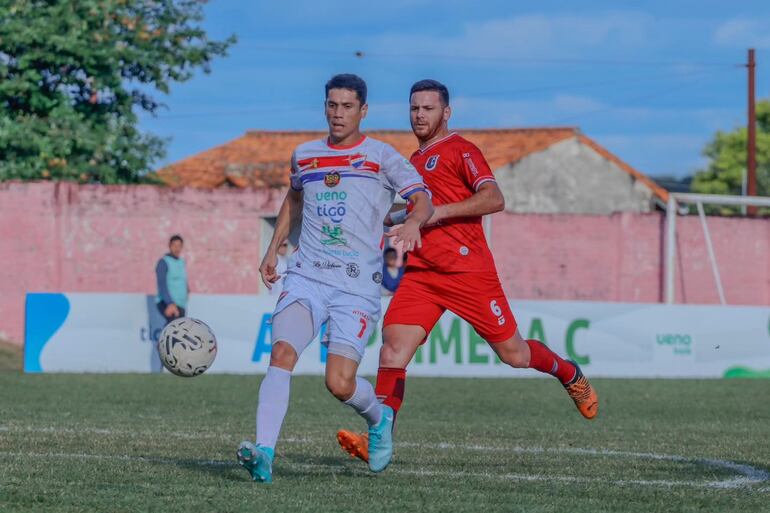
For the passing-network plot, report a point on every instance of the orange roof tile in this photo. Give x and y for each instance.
(260, 158)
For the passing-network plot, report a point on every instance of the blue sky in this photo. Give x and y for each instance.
(650, 80)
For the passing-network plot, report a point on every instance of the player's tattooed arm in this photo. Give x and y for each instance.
(487, 200)
(289, 215)
(409, 232)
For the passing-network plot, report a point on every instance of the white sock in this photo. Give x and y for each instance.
(272, 406)
(365, 402)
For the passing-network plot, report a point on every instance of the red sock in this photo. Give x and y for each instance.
(390, 386)
(545, 360)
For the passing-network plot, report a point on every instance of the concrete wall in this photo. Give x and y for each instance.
(63, 237)
(570, 177)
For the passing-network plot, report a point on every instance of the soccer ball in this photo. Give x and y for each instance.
(187, 347)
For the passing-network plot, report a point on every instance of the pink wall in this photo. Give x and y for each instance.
(65, 237)
(620, 257)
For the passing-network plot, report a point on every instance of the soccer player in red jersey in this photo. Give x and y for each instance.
(453, 270)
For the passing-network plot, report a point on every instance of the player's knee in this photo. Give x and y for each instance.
(399, 345)
(283, 355)
(515, 356)
(340, 386)
(389, 355)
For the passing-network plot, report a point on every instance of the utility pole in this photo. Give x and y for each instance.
(751, 157)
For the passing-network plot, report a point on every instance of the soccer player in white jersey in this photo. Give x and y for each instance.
(342, 187)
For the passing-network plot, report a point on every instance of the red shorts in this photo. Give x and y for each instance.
(477, 297)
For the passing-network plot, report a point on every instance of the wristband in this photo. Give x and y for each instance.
(399, 216)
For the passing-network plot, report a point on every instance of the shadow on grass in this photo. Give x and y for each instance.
(295, 465)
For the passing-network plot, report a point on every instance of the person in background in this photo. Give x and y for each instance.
(281, 266)
(391, 272)
(171, 275)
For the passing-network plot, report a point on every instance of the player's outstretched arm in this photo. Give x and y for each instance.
(487, 200)
(288, 216)
(409, 232)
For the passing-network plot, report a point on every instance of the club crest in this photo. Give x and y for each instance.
(432, 162)
(332, 179)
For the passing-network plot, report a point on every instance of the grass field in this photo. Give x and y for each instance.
(10, 357)
(120, 443)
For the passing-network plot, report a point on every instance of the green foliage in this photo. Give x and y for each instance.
(72, 75)
(727, 155)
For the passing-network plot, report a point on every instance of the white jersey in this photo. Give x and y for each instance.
(347, 193)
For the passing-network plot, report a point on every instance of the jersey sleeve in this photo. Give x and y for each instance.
(400, 174)
(294, 177)
(474, 168)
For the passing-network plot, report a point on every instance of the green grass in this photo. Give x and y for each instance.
(120, 443)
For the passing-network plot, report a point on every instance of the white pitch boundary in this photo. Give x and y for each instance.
(747, 474)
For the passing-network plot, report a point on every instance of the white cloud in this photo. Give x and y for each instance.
(742, 32)
(532, 36)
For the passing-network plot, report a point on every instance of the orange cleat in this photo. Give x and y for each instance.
(584, 395)
(355, 444)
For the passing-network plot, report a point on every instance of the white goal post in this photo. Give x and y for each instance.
(674, 199)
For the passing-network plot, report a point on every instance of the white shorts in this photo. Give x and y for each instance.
(351, 318)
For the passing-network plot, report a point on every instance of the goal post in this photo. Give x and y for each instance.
(674, 200)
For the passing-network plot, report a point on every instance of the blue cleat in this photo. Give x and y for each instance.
(257, 460)
(381, 441)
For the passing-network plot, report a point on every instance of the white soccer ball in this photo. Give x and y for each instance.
(187, 347)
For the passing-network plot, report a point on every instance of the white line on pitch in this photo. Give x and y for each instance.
(731, 483)
(748, 475)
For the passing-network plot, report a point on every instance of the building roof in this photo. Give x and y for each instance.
(260, 158)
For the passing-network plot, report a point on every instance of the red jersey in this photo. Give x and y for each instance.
(453, 169)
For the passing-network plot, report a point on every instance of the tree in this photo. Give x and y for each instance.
(727, 155)
(72, 74)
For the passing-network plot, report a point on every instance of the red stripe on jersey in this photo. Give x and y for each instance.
(338, 161)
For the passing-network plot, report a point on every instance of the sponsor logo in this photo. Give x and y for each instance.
(332, 179)
(331, 196)
(470, 164)
(680, 343)
(342, 253)
(430, 165)
(377, 277)
(353, 270)
(335, 211)
(325, 264)
(333, 236)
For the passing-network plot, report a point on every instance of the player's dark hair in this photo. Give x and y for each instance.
(348, 81)
(388, 251)
(431, 85)
(175, 238)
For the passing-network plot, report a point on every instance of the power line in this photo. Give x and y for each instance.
(269, 109)
(362, 54)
